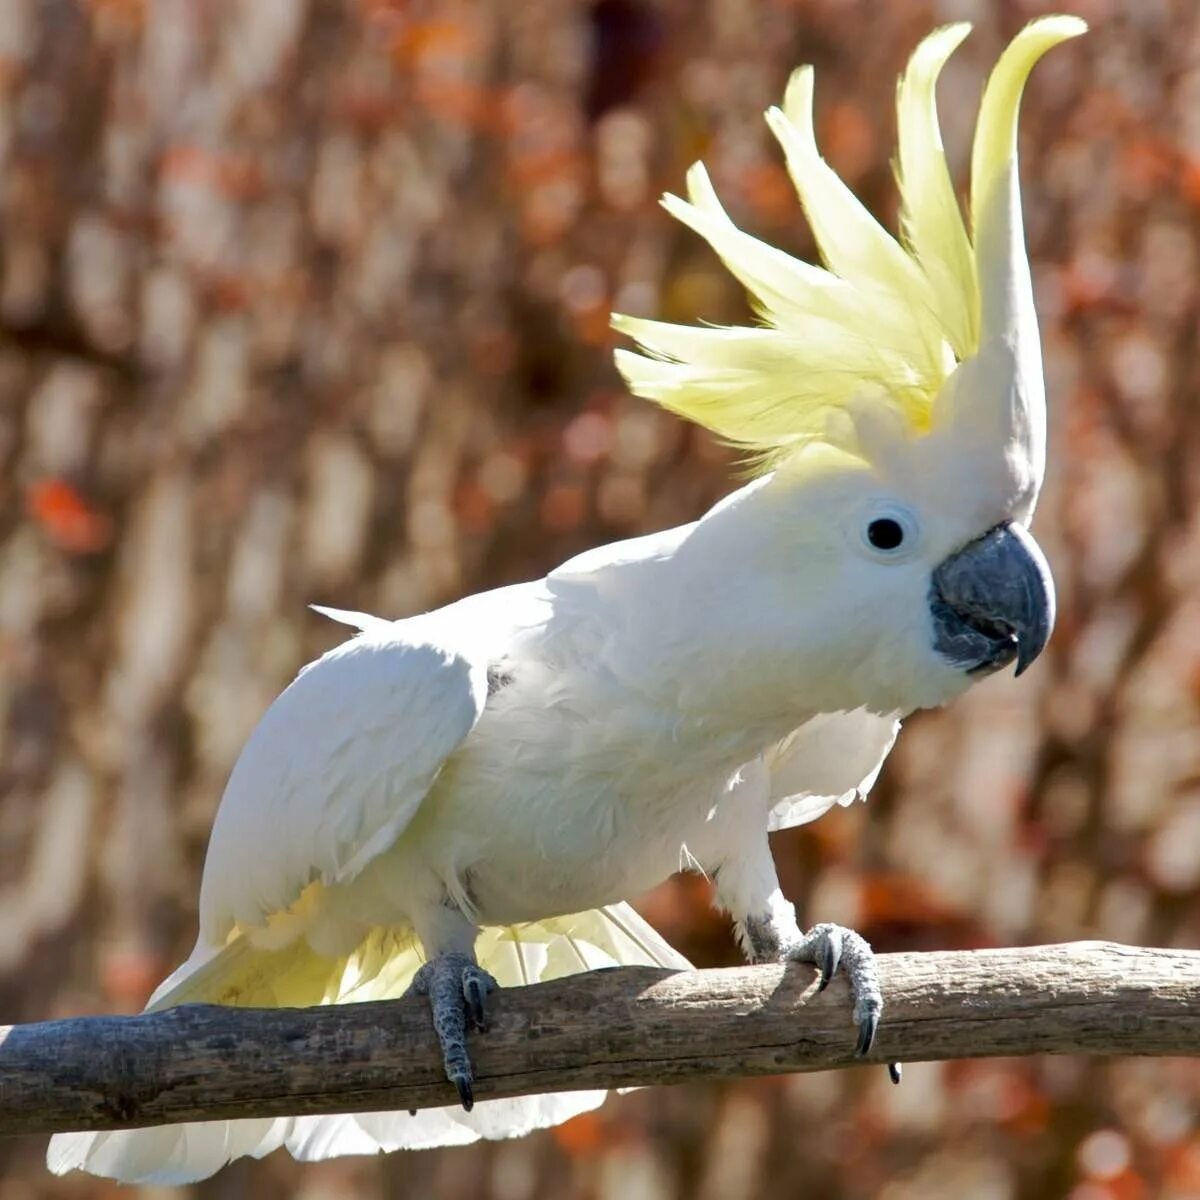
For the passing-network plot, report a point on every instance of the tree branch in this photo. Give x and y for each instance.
(614, 1028)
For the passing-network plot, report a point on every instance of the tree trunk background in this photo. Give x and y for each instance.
(306, 301)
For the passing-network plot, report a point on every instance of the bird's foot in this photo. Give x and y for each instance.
(829, 947)
(458, 989)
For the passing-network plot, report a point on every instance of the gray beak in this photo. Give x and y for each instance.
(993, 602)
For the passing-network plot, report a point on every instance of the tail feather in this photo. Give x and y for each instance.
(167, 1156)
(380, 968)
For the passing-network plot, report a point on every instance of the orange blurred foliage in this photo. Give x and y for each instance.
(67, 518)
(234, 176)
(582, 1136)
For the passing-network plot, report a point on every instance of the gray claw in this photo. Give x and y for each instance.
(894, 1072)
(866, 1034)
(465, 1094)
(831, 957)
(474, 992)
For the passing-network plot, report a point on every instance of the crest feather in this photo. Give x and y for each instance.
(930, 217)
(884, 322)
(853, 244)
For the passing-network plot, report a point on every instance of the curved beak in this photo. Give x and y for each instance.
(992, 602)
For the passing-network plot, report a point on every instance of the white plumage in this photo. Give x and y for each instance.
(571, 792)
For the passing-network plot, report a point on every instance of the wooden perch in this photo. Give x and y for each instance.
(612, 1028)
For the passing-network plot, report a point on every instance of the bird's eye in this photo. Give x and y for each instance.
(885, 533)
(889, 531)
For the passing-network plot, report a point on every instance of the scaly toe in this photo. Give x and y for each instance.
(832, 948)
(457, 989)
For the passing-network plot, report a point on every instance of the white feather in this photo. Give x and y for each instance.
(356, 620)
(833, 758)
(337, 767)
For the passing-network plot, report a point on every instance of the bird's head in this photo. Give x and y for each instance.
(893, 398)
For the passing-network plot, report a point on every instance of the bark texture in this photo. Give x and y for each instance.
(621, 1028)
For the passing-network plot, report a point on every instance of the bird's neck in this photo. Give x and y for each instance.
(709, 626)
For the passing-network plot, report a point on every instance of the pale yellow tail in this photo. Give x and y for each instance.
(380, 968)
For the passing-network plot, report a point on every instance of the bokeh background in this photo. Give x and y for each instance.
(306, 300)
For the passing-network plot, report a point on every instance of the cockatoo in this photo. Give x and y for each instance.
(468, 797)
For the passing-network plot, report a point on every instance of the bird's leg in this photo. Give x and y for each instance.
(457, 988)
(766, 926)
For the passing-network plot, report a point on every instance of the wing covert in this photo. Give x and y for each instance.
(336, 769)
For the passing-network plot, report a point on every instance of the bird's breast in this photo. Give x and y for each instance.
(574, 802)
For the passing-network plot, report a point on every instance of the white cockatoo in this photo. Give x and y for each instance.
(468, 797)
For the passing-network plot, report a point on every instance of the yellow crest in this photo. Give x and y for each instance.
(884, 323)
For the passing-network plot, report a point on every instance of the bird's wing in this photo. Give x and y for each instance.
(833, 758)
(338, 766)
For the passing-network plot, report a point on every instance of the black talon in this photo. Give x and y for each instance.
(465, 1094)
(894, 1072)
(866, 1035)
(475, 994)
(831, 956)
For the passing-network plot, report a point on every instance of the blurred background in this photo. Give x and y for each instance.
(306, 300)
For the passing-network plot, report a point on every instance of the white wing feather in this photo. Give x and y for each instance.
(337, 767)
(833, 758)
(347, 616)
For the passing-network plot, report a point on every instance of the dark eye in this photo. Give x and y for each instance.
(885, 533)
